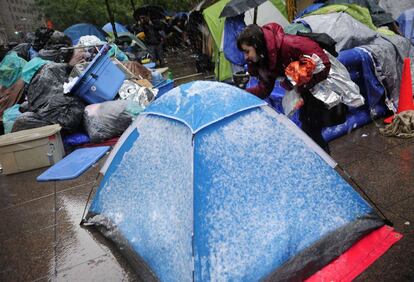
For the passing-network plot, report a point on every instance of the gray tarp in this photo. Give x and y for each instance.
(396, 7)
(379, 16)
(388, 51)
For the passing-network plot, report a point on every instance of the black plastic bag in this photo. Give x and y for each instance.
(29, 120)
(22, 51)
(56, 48)
(324, 40)
(46, 98)
(317, 113)
(42, 36)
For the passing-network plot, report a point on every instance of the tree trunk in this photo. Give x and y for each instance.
(133, 5)
(111, 18)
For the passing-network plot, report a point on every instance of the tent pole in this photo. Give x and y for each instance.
(255, 15)
(218, 66)
(368, 198)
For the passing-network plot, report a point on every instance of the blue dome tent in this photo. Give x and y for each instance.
(119, 28)
(211, 184)
(78, 30)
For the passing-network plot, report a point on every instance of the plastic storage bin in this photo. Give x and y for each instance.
(100, 81)
(30, 149)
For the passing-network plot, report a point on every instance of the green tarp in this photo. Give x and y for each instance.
(32, 67)
(216, 27)
(11, 69)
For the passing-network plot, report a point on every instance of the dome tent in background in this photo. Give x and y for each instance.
(119, 28)
(76, 31)
(209, 183)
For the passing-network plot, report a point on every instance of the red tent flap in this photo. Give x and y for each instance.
(359, 257)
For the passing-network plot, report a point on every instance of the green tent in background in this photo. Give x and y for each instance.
(216, 26)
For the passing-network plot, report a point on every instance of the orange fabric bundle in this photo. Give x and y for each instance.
(300, 71)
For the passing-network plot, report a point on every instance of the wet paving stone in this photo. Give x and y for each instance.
(30, 217)
(27, 256)
(103, 268)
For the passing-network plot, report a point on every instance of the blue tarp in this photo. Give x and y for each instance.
(232, 28)
(311, 8)
(354, 119)
(209, 180)
(360, 66)
(119, 28)
(406, 23)
(75, 32)
(181, 15)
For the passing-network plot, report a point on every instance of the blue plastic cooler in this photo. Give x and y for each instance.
(164, 87)
(100, 81)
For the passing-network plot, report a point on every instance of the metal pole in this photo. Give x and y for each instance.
(255, 15)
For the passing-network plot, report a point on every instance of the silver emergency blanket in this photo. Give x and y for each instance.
(338, 87)
(134, 92)
(388, 51)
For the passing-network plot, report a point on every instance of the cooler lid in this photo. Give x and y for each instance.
(74, 164)
(29, 135)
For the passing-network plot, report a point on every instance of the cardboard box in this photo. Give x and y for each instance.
(30, 149)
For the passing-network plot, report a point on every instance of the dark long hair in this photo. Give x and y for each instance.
(253, 36)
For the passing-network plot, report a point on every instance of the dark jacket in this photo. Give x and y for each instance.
(152, 33)
(282, 49)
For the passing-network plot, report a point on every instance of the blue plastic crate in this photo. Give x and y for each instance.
(165, 87)
(100, 81)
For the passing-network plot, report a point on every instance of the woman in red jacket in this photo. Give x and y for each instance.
(269, 51)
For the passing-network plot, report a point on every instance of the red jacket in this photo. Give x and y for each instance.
(282, 49)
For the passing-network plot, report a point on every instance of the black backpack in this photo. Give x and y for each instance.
(324, 40)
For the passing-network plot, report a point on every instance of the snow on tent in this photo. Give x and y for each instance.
(78, 30)
(269, 11)
(209, 179)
